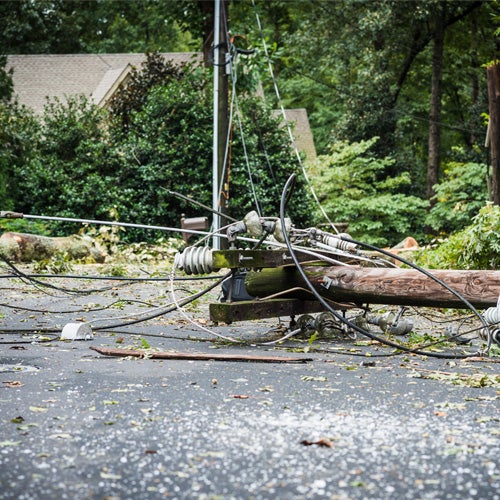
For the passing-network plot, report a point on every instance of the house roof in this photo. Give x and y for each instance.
(97, 76)
(301, 131)
(39, 76)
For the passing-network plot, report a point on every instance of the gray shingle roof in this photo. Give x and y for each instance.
(37, 77)
(97, 76)
(301, 131)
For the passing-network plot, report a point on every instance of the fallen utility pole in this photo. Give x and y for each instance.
(361, 285)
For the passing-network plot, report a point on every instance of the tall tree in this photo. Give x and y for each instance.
(64, 27)
(434, 158)
(364, 69)
(6, 85)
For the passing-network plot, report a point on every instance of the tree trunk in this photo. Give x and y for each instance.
(22, 247)
(435, 109)
(207, 12)
(493, 73)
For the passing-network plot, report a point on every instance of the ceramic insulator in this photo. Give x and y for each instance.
(195, 260)
(337, 242)
(492, 315)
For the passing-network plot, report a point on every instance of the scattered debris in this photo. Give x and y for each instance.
(464, 379)
(323, 442)
(77, 331)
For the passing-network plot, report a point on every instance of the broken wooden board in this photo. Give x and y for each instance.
(110, 351)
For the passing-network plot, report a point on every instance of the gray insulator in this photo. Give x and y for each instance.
(335, 241)
(388, 324)
(492, 315)
(495, 336)
(306, 324)
(327, 325)
(278, 230)
(195, 260)
(253, 224)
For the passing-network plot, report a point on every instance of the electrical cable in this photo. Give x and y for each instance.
(183, 302)
(168, 309)
(198, 325)
(33, 341)
(247, 162)
(111, 278)
(429, 275)
(82, 310)
(226, 165)
(289, 186)
(201, 205)
(285, 337)
(41, 284)
(287, 123)
(17, 215)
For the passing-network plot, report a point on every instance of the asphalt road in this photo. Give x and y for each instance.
(80, 425)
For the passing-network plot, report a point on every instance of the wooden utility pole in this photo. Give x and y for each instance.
(493, 74)
(223, 124)
(362, 285)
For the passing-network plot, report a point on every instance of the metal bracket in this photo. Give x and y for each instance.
(326, 282)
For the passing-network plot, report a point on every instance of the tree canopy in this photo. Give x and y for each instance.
(408, 82)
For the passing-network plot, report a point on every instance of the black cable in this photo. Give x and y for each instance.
(82, 310)
(19, 274)
(429, 275)
(37, 341)
(284, 198)
(110, 278)
(183, 302)
(197, 203)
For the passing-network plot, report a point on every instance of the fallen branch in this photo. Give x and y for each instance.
(109, 351)
(480, 359)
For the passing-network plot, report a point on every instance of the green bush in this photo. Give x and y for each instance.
(72, 172)
(459, 196)
(83, 162)
(19, 135)
(168, 146)
(475, 247)
(354, 187)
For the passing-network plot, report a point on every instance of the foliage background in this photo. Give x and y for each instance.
(361, 69)
(81, 161)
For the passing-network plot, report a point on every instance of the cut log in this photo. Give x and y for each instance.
(24, 247)
(362, 285)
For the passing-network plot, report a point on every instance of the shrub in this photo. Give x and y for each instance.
(84, 162)
(354, 187)
(73, 173)
(475, 247)
(19, 135)
(459, 196)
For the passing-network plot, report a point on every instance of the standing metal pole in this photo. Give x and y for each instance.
(215, 144)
